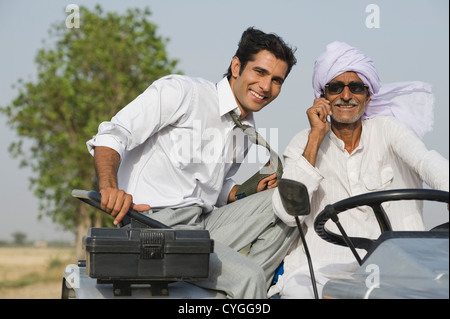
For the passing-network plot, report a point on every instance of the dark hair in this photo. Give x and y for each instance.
(253, 41)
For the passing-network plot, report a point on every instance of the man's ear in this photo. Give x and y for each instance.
(235, 67)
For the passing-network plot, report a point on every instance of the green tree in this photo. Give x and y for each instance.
(83, 79)
(19, 238)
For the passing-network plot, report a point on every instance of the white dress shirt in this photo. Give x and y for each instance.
(177, 143)
(389, 156)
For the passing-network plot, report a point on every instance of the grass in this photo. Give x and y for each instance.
(28, 272)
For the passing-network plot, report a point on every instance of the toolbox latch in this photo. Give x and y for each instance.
(152, 244)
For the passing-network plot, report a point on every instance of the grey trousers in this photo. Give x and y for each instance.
(247, 223)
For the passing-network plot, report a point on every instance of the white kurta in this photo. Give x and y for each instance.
(389, 156)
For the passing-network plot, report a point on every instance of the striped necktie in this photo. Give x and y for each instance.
(274, 164)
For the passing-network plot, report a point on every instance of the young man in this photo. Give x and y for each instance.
(172, 151)
(362, 149)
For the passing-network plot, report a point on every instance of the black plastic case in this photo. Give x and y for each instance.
(147, 254)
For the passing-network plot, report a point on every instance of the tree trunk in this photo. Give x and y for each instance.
(83, 224)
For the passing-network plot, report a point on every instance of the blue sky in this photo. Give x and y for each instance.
(411, 43)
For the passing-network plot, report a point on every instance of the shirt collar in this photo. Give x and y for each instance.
(340, 143)
(227, 102)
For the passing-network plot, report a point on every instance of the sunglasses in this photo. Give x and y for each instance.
(338, 87)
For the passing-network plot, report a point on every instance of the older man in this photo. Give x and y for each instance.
(363, 148)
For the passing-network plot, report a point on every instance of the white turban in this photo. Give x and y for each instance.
(410, 102)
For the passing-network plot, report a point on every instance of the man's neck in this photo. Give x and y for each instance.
(244, 113)
(349, 133)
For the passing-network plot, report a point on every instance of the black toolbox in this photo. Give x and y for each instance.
(144, 252)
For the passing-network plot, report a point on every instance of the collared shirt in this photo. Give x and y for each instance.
(177, 143)
(389, 156)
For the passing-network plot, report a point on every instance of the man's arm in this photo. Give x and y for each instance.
(232, 194)
(268, 182)
(114, 201)
(312, 148)
(106, 162)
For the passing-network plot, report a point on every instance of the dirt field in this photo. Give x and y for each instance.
(32, 273)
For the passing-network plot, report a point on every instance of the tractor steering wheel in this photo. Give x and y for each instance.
(374, 200)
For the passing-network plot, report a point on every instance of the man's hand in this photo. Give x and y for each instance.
(117, 203)
(317, 117)
(268, 182)
(114, 201)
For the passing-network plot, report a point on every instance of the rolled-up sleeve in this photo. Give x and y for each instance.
(144, 116)
(109, 135)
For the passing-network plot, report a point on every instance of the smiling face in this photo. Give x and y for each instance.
(259, 83)
(347, 107)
